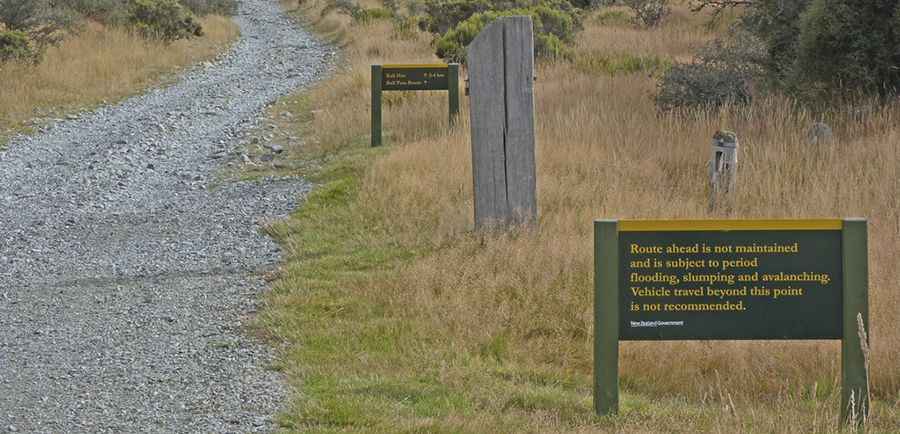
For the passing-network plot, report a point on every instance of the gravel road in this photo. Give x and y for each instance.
(126, 271)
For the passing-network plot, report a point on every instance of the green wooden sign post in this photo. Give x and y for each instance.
(732, 279)
(386, 78)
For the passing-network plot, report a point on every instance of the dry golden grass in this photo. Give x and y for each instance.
(525, 298)
(677, 37)
(347, 94)
(100, 64)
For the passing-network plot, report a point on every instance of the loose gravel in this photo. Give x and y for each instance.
(127, 271)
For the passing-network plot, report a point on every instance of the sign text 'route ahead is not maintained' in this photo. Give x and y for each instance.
(734, 284)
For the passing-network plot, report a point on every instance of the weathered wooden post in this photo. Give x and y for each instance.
(723, 166)
(453, 89)
(501, 85)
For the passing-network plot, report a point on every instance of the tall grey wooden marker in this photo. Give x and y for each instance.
(501, 84)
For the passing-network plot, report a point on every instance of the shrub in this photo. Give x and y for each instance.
(166, 20)
(15, 45)
(723, 72)
(553, 29)
(43, 24)
(848, 47)
(22, 14)
(820, 50)
(440, 16)
(107, 11)
(210, 7)
(648, 13)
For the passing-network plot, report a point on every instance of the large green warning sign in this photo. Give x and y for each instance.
(751, 281)
(731, 279)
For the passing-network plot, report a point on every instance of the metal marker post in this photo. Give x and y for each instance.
(606, 317)
(453, 91)
(376, 105)
(854, 372)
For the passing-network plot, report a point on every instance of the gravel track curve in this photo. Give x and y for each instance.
(126, 272)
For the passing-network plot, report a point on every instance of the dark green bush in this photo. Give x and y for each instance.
(165, 20)
(555, 26)
(15, 45)
(598, 63)
(725, 72)
(43, 24)
(22, 14)
(821, 50)
(440, 16)
(848, 47)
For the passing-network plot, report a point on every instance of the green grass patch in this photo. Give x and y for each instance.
(359, 362)
(616, 64)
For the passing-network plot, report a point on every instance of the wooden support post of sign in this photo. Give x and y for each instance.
(376, 105)
(453, 91)
(606, 317)
(501, 85)
(855, 345)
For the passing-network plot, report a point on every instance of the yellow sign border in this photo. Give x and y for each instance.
(414, 66)
(731, 225)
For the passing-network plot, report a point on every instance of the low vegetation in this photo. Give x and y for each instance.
(823, 52)
(44, 23)
(455, 23)
(54, 61)
(166, 20)
(394, 316)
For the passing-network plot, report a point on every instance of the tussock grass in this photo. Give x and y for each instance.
(99, 64)
(396, 317)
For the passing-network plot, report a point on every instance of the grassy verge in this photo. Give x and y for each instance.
(96, 66)
(393, 316)
(360, 361)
